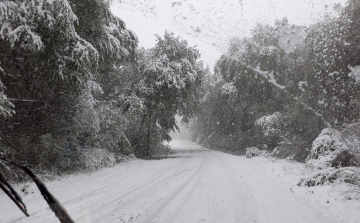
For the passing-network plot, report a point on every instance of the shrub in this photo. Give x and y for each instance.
(334, 156)
(293, 151)
(97, 158)
(162, 150)
(346, 175)
(330, 149)
(87, 158)
(252, 151)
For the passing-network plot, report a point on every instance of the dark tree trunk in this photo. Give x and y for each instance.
(149, 132)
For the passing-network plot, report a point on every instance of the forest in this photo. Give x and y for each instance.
(78, 93)
(287, 90)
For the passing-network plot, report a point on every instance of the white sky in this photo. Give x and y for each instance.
(210, 24)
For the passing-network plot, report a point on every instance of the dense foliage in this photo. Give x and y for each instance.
(170, 75)
(277, 89)
(76, 92)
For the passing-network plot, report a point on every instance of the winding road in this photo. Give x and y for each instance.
(195, 185)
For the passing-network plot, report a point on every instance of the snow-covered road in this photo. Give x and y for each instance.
(196, 185)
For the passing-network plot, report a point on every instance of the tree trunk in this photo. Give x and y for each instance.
(149, 131)
(141, 125)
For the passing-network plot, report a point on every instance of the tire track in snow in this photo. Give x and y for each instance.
(97, 190)
(120, 182)
(105, 187)
(98, 193)
(147, 183)
(188, 195)
(240, 189)
(158, 211)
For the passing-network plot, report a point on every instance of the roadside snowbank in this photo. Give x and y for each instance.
(339, 198)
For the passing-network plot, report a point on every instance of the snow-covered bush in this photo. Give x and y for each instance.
(124, 158)
(252, 151)
(270, 123)
(97, 158)
(330, 150)
(228, 89)
(334, 157)
(295, 150)
(328, 141)
(162, 150)
(331, 175)
(265, 153)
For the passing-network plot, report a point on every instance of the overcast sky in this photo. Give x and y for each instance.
(210, 24)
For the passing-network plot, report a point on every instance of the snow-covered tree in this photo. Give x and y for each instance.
(6, 107)
(332, 90)
(113, 104)
(170, 74)
(45, 29)
(53, 54)
(45, 64)
(262, 76)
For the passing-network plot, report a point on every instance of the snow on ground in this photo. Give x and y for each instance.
(195, 185)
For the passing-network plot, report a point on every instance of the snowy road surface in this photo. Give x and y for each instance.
(196, 185)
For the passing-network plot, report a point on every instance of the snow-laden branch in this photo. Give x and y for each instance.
(270, 77)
